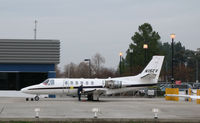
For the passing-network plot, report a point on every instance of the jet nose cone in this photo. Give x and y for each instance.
(23, 90)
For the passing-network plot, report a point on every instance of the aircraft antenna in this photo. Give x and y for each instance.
(35, 30)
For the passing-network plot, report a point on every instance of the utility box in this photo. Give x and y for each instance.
(151, 93)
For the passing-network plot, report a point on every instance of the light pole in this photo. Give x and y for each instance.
(197, 65)
(120, 64)
(145, 47)
(131, 59)
(89, 66)
(172, 45)
(197, 71)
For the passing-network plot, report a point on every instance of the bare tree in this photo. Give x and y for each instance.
(82, 70)
(59, 74)
(107, 72)
(70, 70)
(97, 61)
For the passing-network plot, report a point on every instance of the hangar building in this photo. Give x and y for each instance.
(25, 62)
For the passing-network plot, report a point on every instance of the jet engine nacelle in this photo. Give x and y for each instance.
(113, 84)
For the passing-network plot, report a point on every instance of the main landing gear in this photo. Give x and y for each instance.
(36, 98)
(90, 97)
(93, 97)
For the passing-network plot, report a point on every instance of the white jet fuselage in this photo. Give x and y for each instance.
(68, 86)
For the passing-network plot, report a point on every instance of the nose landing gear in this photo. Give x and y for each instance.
(36, 98)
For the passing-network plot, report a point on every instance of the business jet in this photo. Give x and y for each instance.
(94, 88)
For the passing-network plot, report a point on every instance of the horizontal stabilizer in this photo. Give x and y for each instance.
(149, 76)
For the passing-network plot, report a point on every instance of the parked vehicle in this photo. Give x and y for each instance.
(164, 86)
(196, 86)
(183, 86)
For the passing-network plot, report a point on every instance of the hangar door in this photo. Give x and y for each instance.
(18, 80)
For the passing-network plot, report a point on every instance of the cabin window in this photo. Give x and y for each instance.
(86, 82)
(66, 82)
(76, 82)
(51, 82)
(81, 82)
(72, 83)
(92, 83)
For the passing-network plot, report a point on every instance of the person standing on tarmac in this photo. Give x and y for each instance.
(80, 89)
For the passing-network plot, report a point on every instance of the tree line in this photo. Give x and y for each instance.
(136, 58)
(185, 60)
(87, 69)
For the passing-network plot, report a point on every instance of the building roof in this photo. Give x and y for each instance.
(29, 51)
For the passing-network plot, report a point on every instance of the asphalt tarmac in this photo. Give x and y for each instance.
(138, 108)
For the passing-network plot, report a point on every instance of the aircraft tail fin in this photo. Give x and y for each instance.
(152, 70)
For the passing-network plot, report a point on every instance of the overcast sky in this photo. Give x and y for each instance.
(86, 27)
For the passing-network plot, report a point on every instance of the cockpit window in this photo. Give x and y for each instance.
(46, 82)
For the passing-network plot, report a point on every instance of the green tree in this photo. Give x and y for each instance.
(184, 62)
(136, 59)
(184, 59)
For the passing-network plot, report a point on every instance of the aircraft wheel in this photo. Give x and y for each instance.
(90, 97)
(36, 98)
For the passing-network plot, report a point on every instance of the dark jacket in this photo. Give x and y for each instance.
(80, 89)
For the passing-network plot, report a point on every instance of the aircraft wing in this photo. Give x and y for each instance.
(186, 96)
(148, 76)
(93, 90)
